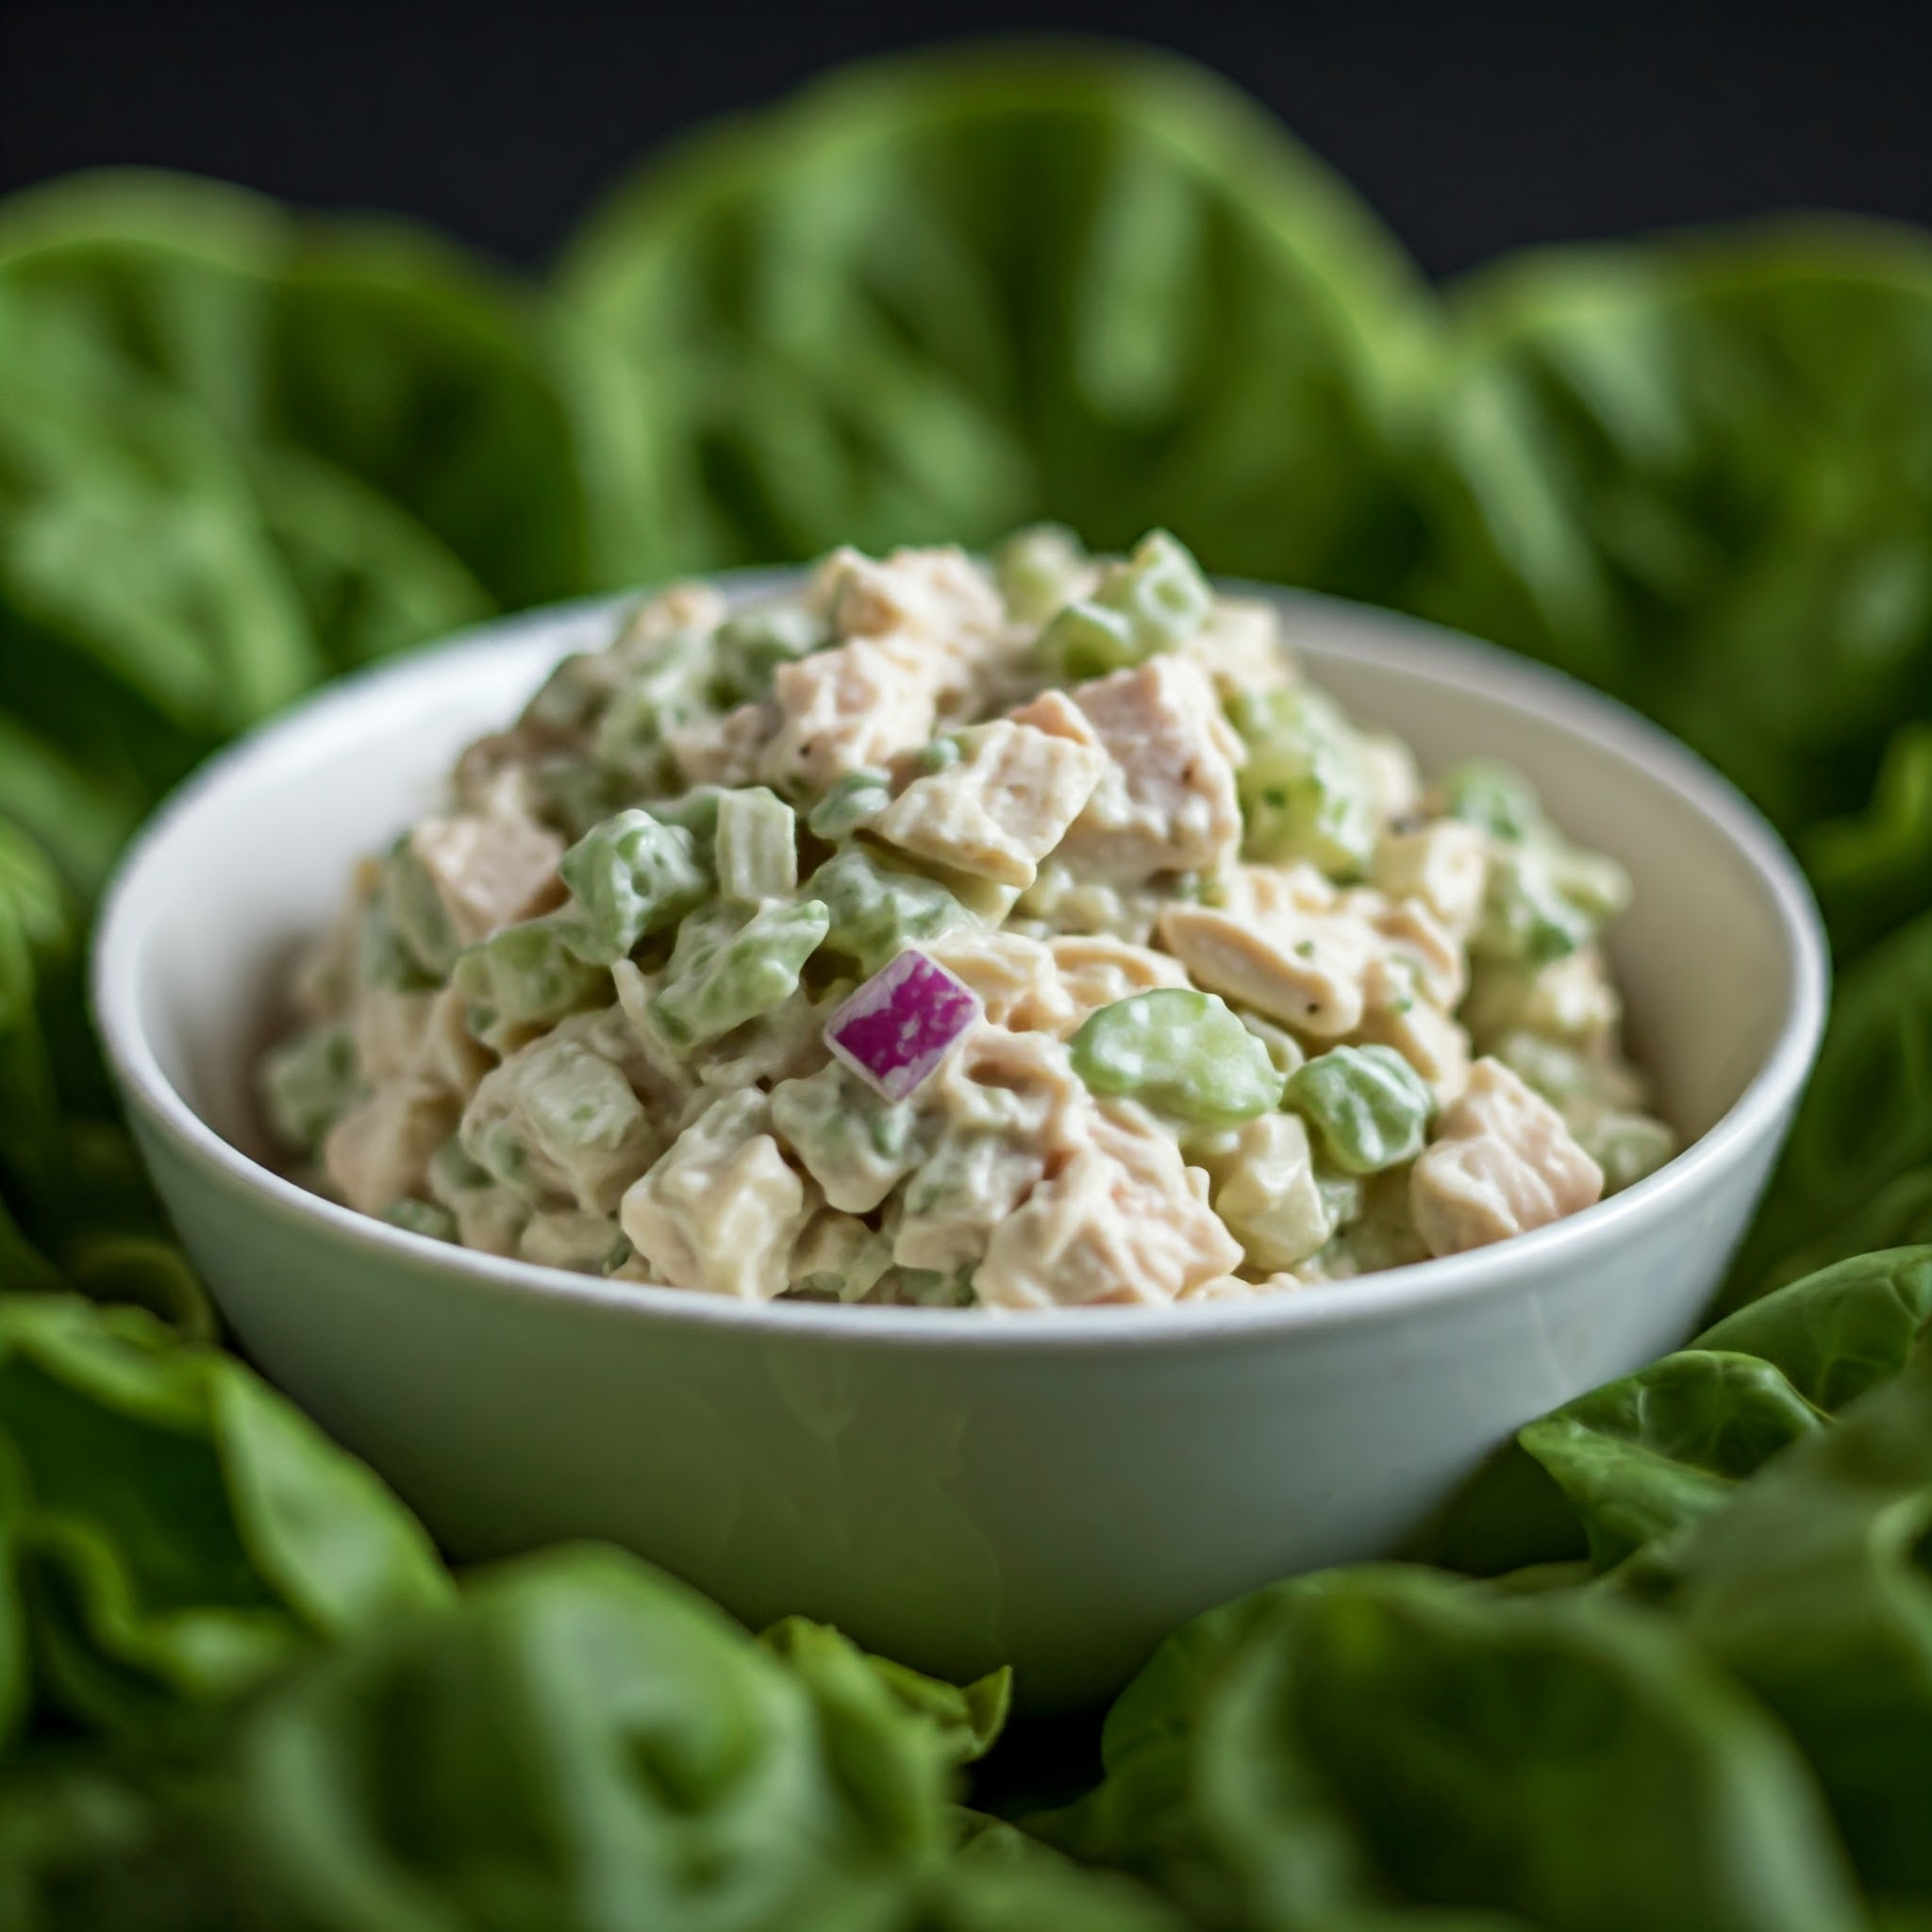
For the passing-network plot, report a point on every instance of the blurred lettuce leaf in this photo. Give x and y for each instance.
(962, 1721)
(1872, 870)
(935, 297)
(176, 1532)
(1636, 1462)
(374, 348)
(1698, 472)
(1811, 1589)
(1864, 1122)
(1382, 1747)
(238, 450)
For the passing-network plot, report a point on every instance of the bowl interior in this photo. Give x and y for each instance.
(256, 856)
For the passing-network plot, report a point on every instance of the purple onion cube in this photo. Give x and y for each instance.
(902, 1023)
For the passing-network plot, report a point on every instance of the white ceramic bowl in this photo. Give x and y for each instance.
(951, 1487)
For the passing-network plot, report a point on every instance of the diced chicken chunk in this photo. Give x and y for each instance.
(1270, 1198)
(1123, 1220)
(677, 608)
(854, 705)
(1434, 1043)
(1016, 979)
(1166, 800)
(1055, 713)
(1502, 1163)
(1420, 940)
(1232, 1288)
(1393, 775)
(1095, 971)
(1444, 865)
(1570, 999)
(1241, 648)
(938, 594)
(967, 1187)
(378, 1152)
(494, 772)
(723, 751)
(1019, 1084)
(569, 1238)
(1001, 807)
(1304, 969)
(1261, 892)
(721, 1209)
(406, 1035)
(489, 870)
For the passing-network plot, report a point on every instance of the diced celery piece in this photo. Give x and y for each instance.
(1154, 602)
(757, 848)
(940, 755)
(695, 811)
(574, 1098)
(1342, 1191)
(1271, 1198)
(1181, 1052)
(854, 801)
(857, 1145)
(924, 1288)
(572, 794)
(1037, 569)
(573, 692)
(877, 913)
(1307, 789)
(425, 1218)
(309, 1083)
(570, 1238)
(837, 1258)
(1627, 1146)
(1573, 1080)
(630, 877)
(652, 702)
(1598, 887)
(725, 969)
(751, 643)
(1495, 798)
(525, 977)
(1371, 1107)
(1545, 897)
(558, 1112)
(1558, 1073)
(382, 958)
(453, 1173)
(1526, 918)
(416, 912)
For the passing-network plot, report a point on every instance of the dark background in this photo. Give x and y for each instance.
(1472, 127)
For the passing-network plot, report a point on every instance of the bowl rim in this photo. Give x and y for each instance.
(1389, 640)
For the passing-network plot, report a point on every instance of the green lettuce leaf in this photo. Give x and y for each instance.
(179, 1532)
(379, 352)
(1379, 1739)
(1636, 1462)
(1812, 1588)
(963, 1722)
(934, 298)
(1863, 1121)
(581, 1742)
(1699, 474)
(1873, 871)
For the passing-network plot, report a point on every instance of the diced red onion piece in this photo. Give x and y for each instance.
(902, 1023)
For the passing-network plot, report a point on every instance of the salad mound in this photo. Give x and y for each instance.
(1023, 935)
